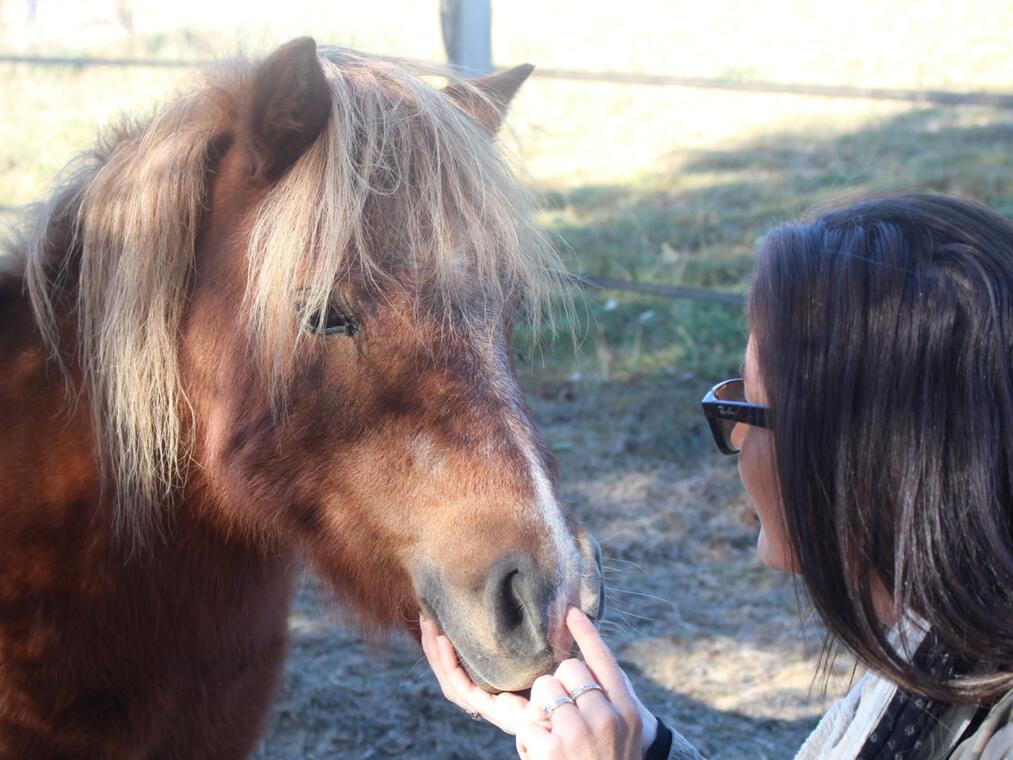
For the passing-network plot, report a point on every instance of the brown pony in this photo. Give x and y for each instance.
(271, 323)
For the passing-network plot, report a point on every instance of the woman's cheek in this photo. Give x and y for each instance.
(756, 469)
(771, 551)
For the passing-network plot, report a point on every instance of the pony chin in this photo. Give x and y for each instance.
(492, 671)
(510, 632)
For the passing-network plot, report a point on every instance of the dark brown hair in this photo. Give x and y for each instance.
(884, 333)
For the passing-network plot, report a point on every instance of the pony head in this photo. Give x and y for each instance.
(296, 294)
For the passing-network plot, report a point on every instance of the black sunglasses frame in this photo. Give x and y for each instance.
(717, 411)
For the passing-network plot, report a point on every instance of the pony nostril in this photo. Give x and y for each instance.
(511, 612)
(517, 603)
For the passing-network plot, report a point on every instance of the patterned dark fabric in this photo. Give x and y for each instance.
(901, 731)
(908, 719)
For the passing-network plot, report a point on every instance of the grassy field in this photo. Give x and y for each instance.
(658, 184)
(655, 184)
(695, 221)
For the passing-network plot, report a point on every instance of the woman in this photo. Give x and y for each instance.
(874, 429)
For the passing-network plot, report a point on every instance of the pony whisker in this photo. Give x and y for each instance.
(644, 594)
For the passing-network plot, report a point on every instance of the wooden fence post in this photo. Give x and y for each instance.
(467, 35)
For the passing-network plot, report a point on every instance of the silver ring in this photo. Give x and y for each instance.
(553, 706)
(582, 689)
(473, 715)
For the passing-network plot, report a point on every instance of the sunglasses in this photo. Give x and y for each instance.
(725, 406)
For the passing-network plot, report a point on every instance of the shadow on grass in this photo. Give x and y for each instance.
(722, 733)
(713, 205)
(646, 361)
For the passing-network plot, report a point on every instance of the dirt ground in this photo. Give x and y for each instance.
(712, 640)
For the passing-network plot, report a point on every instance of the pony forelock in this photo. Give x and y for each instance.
(116, 243)
(465, 221)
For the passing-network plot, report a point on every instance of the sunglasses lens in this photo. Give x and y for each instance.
(726, 427)
(733, 390)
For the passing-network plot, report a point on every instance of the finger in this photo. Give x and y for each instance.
(502, 710)
(602, 664)
(536, 741)
(607, 726)
(534, 713)
(428, 639)
(598, 657)
(428, 642)
(429, 631)
(574, 675)
(457, 676)
(545, 692)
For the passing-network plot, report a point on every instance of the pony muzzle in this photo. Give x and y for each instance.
(510, 629)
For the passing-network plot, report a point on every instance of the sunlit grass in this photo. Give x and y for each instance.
(696, 220)
(657, 184)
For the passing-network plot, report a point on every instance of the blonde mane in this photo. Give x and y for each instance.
(116, 243)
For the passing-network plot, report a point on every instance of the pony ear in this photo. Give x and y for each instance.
(498, 89)
(288, 107)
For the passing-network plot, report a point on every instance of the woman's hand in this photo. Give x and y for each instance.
(604, 722)
(504, 710)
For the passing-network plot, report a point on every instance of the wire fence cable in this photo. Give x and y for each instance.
(930, 97)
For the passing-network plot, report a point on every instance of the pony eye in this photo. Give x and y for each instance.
(333, 321)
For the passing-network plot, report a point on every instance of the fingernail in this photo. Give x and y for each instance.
(426, 627)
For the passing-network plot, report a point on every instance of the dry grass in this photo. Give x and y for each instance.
(660, 184)
(711, 639)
